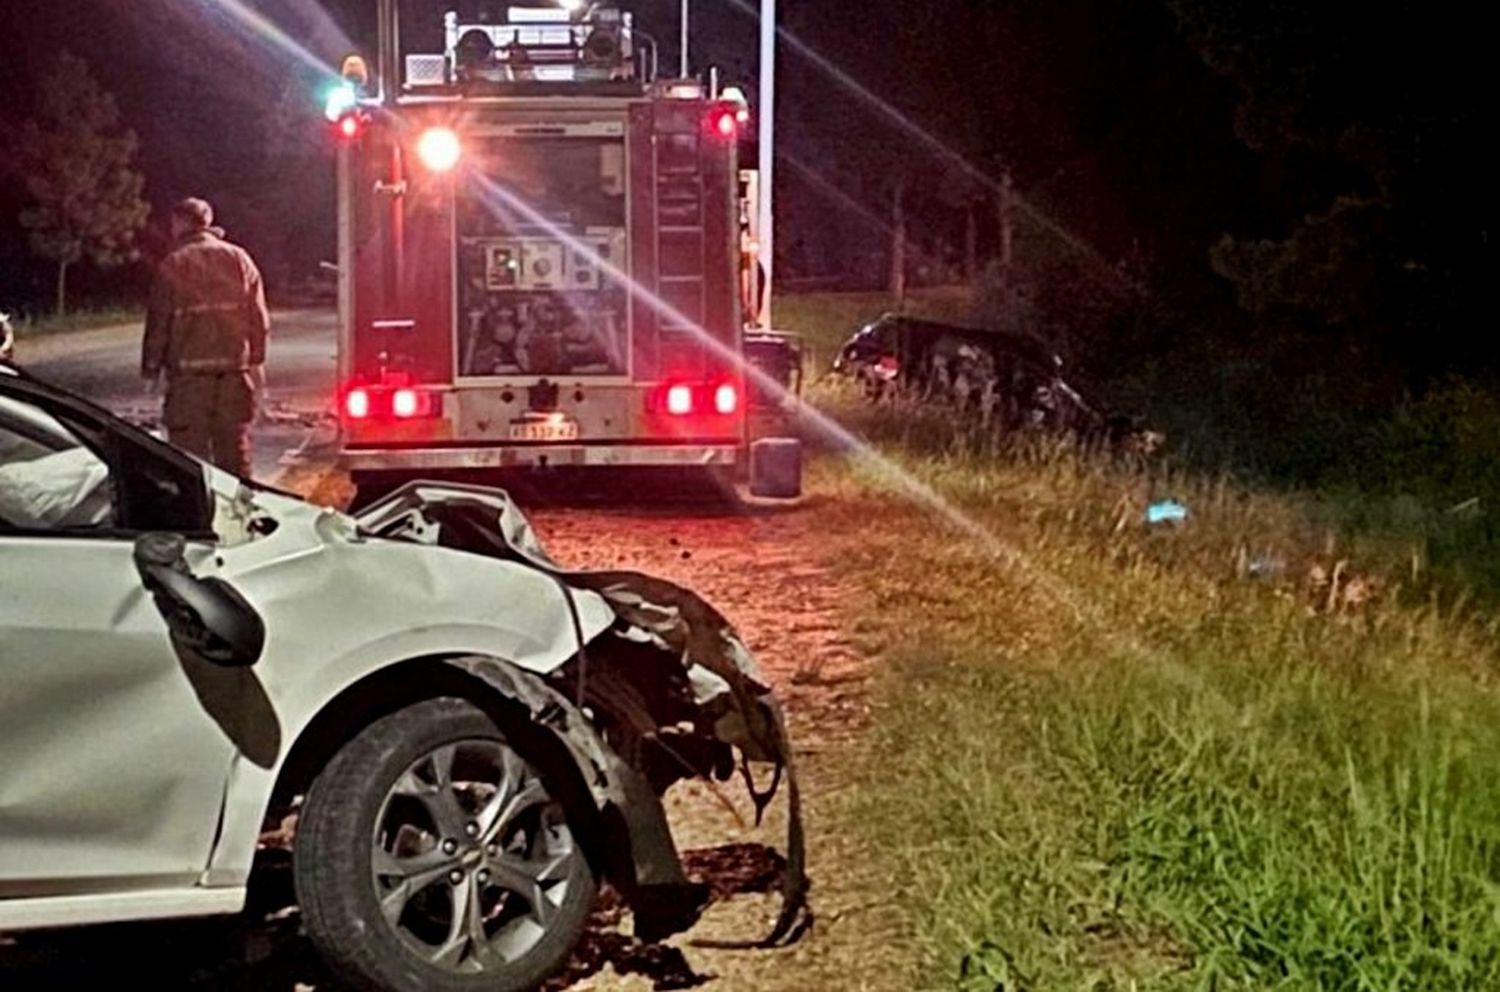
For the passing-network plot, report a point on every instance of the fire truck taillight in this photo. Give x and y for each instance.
(440, 149)
(680, 400)
(386, 402)
(357, 404)
(405, 403)
(726, 399)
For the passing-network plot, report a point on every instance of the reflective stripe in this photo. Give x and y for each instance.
(210, 365)
(207, 308)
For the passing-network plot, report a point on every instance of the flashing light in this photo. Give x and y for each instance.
(405, 403)
(680, 400)
(725, 122)
(357, 404)
(342, 98)
(726, 399)
(349, 127)
(440, 149)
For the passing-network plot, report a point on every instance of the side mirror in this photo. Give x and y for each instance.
(206, 616)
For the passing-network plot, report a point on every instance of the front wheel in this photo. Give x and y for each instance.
(431, 856)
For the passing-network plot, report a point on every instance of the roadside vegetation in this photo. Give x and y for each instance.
(81, 320)
(1260, 749)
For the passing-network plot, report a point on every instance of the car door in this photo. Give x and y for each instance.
(113, 773)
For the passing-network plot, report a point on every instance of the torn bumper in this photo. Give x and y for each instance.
(668, 692)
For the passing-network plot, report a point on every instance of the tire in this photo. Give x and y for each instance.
(381, 802)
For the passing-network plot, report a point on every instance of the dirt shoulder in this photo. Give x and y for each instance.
(771, 574)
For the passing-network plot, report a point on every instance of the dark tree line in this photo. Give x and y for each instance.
(1274, 180)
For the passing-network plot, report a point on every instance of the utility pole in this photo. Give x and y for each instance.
(898, 244)
(1007, 222)
(767, 164)
(971, 244)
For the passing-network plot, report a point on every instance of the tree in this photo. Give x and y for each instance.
(76, 160)
(1367, 126)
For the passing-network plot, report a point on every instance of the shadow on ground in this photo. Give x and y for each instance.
(685, 492)
(263, 950)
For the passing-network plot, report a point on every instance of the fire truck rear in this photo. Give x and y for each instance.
(543, 260)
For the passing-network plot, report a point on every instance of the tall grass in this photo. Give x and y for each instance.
(1147, 770)
(1123, 758)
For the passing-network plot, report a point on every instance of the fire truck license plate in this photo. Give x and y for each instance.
(544, 430)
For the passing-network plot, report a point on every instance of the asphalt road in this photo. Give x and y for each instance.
(103, 365)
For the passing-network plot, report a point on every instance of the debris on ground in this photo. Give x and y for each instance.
(1166, 511)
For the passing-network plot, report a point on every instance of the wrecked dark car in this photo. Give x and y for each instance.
(1003, 382)
(471, 737)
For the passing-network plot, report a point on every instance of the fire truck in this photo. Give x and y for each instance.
(547, 256)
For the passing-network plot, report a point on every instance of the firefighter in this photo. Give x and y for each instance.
(206, 329)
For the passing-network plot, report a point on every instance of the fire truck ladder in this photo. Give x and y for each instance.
(680, 234)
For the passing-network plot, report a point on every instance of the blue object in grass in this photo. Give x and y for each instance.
(1167, 511)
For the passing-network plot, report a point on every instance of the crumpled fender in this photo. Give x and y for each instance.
(676, 621)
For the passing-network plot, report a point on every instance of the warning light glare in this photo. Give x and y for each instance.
(680, 400)
(357, 404)
(342, 98)
(440, 149)
(726, 123)
(404, 403)
(726, 399)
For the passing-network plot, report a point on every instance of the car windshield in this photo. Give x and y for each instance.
(48, 479)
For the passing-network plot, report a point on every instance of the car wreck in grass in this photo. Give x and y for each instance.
(1000, 382)
(473, 738)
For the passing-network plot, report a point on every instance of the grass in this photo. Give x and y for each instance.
(1118, 757)
(82, 320)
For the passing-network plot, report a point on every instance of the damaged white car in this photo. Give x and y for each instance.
(481, 738)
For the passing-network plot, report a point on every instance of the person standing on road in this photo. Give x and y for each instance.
(206, 329)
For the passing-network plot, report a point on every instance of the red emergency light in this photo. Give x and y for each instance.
(366, 402)
(357, 404)
(683, 399)
(680, 400)
(350, 125)
(724, 122)
(405, 403)
(726, 399)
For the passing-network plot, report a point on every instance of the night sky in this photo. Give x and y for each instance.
(1130, 124)
(1054, 93)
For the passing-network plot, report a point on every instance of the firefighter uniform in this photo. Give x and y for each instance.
(206, 330)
